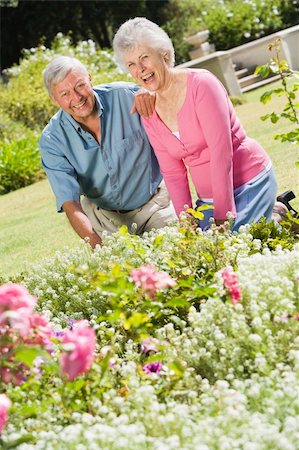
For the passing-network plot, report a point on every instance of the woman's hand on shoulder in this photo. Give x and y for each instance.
(144, 103)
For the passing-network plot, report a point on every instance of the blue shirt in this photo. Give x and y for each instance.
(120, 173)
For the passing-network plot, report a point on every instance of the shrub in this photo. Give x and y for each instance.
(24, 97)
(19, 162)
(230, 22)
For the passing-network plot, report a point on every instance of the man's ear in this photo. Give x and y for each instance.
(53, 100)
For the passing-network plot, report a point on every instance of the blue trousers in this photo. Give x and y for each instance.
(253, 200)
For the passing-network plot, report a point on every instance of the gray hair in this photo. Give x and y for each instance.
(137, 30)
(58, 68)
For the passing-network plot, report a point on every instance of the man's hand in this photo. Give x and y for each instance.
(144, 103)
(81, 223)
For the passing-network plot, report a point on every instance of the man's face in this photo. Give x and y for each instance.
(75, 95)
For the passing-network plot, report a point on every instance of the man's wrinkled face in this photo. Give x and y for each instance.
(75, 95)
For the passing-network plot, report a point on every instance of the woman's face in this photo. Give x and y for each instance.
(147, 66)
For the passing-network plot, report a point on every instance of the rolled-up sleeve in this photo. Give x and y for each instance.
(61, 174)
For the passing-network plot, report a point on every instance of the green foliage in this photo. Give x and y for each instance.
(19, 162)
(288, 88)
(225, 368)
(271, 235)
(24, 98)
(230, 22)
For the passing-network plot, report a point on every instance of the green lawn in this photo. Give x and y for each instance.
(32, 230)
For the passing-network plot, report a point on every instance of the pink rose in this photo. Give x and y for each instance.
(231, 284)
(15, 297)
(79, 346)
(5, 404)
(42, 331)
(151, 280)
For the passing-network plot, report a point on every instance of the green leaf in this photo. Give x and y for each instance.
(27, 355)
(178, 303)
(204, 207)
(265, 117)
(197, 215)
(123, 230)
(266, 97)
(15, 443)
(279, 91)
(274, 117)
(158, 241)
(78, 384)
(28, 411)
(177, 367)
(135, 320)
(264, 71)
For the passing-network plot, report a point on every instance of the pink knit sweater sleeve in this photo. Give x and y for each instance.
(215, 112)
(172, 166)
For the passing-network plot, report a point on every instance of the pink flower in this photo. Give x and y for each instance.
(15, 297)
(79, 346)
(5, 404)
(150, 280)
(149, 345)
(153, 367)
(42, 331)
(230, 281)
(16, 306)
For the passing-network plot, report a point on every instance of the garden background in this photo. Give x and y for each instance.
(197, 350)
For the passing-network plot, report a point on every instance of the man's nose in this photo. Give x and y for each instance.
(75, 94)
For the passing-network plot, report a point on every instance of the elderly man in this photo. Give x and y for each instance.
(97, 157)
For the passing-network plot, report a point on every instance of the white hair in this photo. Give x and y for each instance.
(58, 68)
(141, 30)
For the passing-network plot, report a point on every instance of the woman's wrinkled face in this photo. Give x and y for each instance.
(147, 66)
(75, 95)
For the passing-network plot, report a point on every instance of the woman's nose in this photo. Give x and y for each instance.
(141, 66)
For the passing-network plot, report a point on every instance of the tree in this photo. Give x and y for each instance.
(29, 22)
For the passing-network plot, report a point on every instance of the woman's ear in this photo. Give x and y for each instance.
(166, 57)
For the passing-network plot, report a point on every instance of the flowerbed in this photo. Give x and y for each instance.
(181, 339)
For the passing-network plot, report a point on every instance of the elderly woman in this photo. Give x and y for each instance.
(195, 128)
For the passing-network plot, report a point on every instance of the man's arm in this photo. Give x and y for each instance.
(81, 223)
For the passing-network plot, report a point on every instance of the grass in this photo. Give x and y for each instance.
(32, 230)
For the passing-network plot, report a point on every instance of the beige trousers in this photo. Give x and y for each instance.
(154, 214)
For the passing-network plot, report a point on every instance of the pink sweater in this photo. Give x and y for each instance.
(212, 145)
